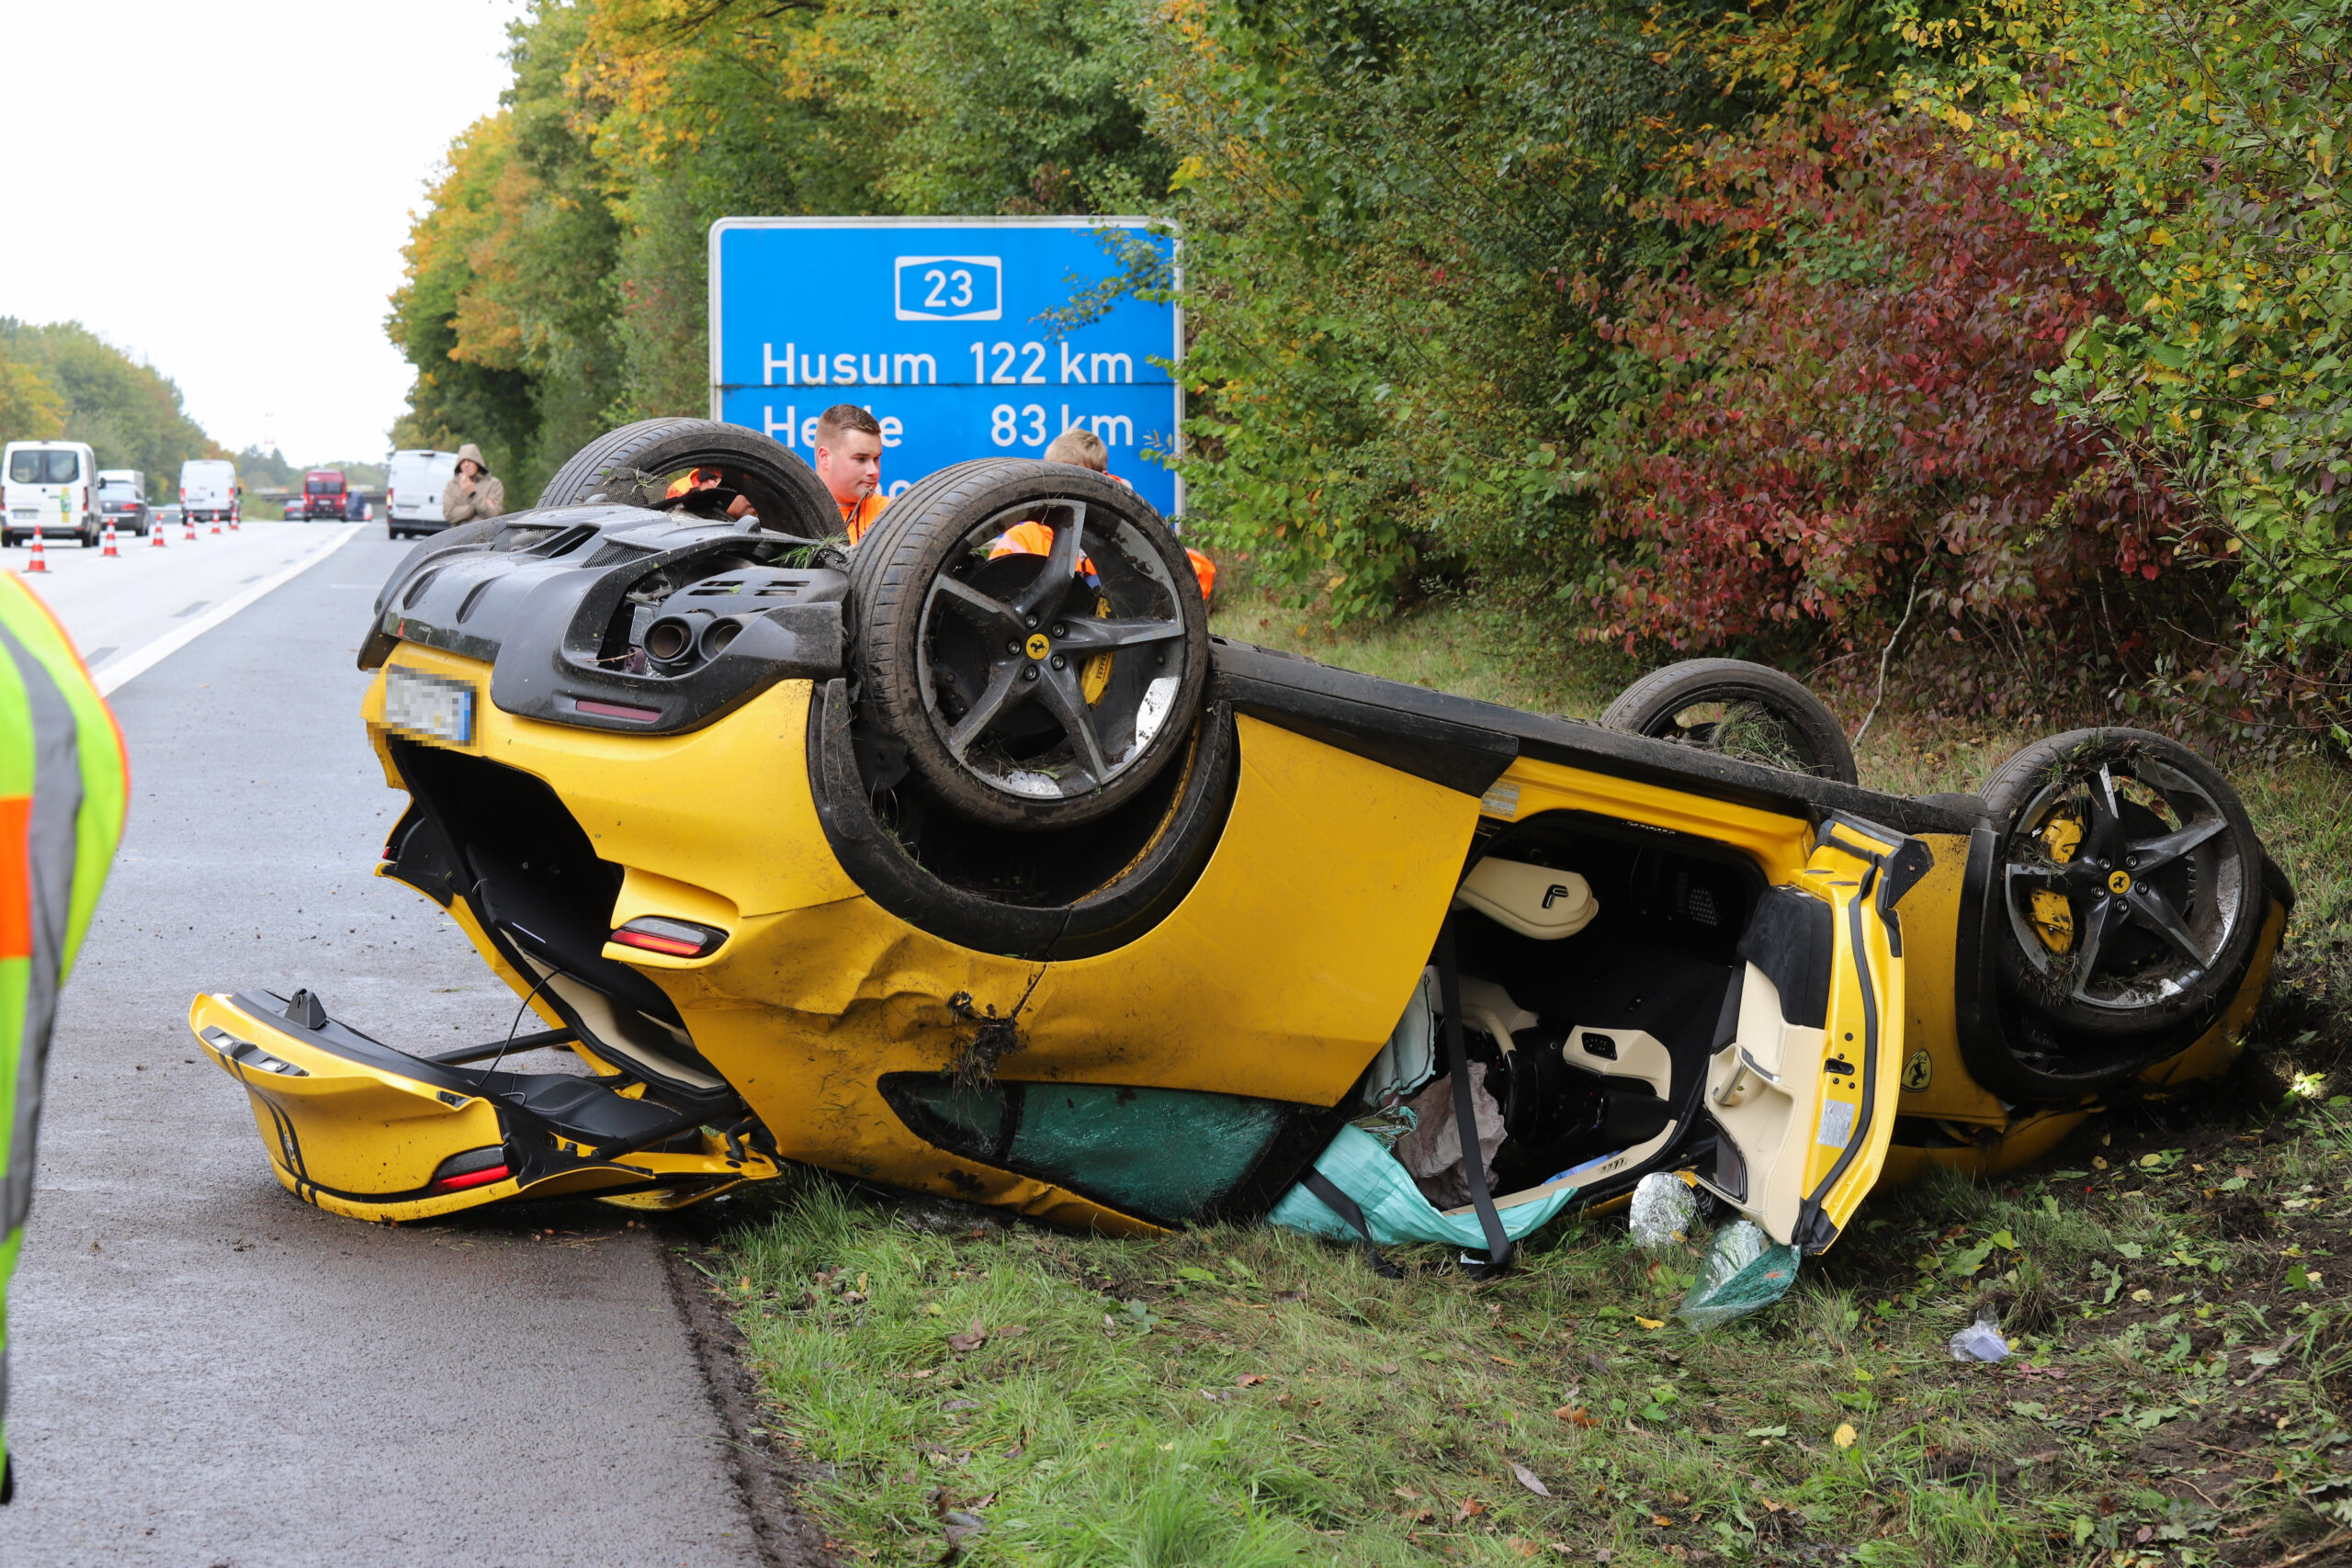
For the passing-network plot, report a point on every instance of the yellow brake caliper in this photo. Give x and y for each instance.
(1095, 674)
(2053, 918)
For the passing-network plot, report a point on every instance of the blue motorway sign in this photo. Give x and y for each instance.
(941, 327)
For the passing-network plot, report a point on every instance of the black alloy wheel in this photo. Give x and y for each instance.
(2131, 883)
(1033, 691)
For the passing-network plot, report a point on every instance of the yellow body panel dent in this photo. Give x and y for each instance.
(1280, 973)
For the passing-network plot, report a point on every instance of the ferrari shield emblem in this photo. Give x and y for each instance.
(1917, 1071)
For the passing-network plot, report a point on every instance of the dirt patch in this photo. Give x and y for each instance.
(2240, 1217)
(768, 1479)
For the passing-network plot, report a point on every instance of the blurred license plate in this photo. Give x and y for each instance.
(431, 706)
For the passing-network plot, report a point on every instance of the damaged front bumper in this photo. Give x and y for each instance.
(362, 1130)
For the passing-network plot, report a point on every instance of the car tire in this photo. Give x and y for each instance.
(1010, 721)
(2162, 885)
(1801, 735)
(783, 489)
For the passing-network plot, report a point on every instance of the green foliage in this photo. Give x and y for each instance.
(1382, 206)
(30, 409)
(556, 283)
(508, 306)
(1488, 289)
(65, 381)
(2191, 158)
(2199, 157)
(469, 386)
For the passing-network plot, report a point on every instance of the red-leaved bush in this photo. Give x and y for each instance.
(1843, 402)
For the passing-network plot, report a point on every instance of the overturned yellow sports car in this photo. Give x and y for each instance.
(991, 874)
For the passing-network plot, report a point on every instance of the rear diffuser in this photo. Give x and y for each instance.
(362, 1130)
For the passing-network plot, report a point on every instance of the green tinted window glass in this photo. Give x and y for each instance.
(1165, 1154)
(970, 1115)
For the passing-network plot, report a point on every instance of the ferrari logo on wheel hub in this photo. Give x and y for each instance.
(1038, 646)
(2120, 882)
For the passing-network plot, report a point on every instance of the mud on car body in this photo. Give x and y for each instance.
(996, 876)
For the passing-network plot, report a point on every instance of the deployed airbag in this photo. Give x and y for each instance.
(1394, 1209)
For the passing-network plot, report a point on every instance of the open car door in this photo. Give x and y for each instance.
(1802, 1094)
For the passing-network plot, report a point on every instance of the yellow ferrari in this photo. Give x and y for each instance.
(991, 874)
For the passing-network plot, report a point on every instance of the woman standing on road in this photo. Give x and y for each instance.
(473, 492)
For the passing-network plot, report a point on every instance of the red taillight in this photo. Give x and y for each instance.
(471, 1178)
(617, 710)
(679, 939)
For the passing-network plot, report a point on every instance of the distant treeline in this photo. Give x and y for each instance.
(62, 382)
(2018, 324)
(270, 470)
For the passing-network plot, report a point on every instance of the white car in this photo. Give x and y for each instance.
(50, 490)
(209, 490)
(413, 485)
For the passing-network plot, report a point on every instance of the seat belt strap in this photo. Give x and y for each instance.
(1465, 1118)
(1339, 1203)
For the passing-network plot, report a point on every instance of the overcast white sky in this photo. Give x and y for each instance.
(243, 176)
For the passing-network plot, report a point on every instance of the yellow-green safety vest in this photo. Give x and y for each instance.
(63, 787)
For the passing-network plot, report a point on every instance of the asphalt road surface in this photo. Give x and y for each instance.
(206, 1371)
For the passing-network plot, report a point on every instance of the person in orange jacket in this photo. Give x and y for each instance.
(849, 459)
(708, 479)
(1084, 449)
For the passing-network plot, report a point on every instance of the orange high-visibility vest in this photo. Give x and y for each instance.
(858, 518)
(1036, 539)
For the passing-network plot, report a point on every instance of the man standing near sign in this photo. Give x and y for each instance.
(849, 459)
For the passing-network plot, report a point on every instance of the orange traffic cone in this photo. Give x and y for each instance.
(191, 527)
(110, 550)
(156, 539)
(232, 522)
(40, 562)
(216, 523)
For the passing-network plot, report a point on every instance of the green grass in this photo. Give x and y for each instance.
(1248, 1396)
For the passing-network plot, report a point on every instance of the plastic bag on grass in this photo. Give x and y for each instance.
(1744, 1272)
(1980, 1340)
(1664, 1212)
(1394, 1209)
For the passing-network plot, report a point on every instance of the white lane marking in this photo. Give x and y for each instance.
(137, 662)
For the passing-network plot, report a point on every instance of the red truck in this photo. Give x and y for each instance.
(325, 495)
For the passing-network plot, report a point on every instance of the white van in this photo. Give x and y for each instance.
(50, 488)
(413, 485)
(209, 490)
